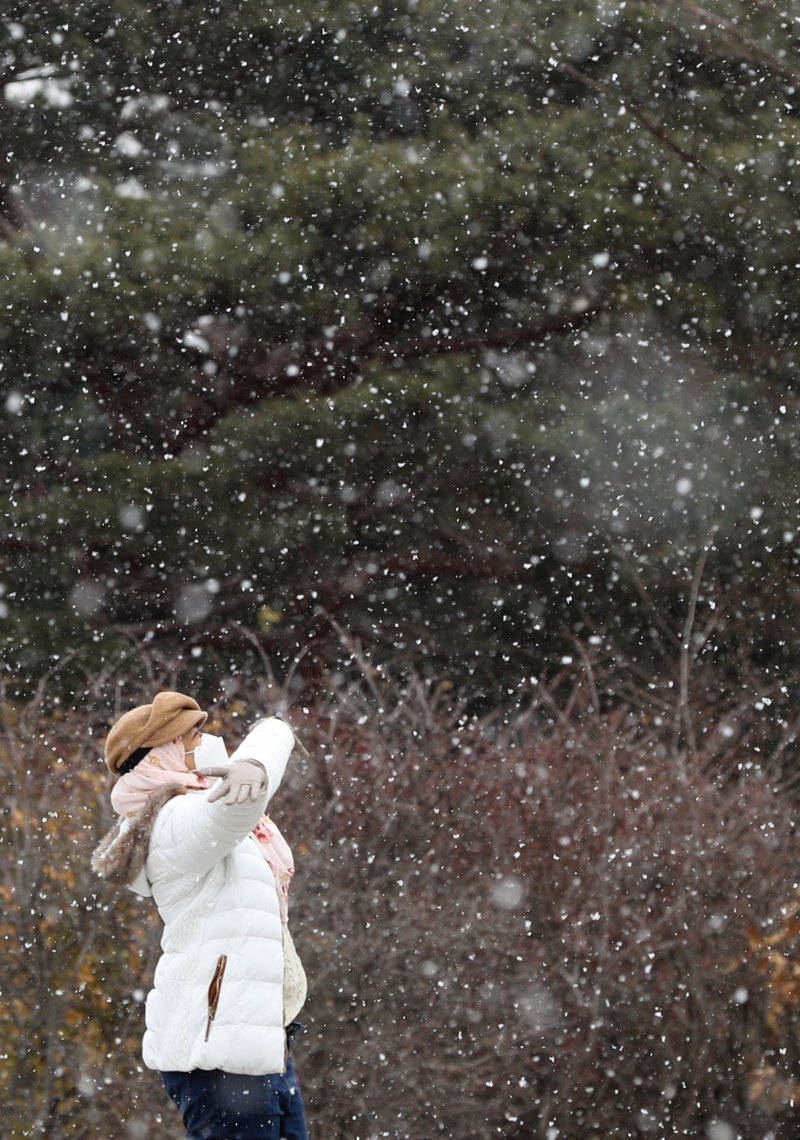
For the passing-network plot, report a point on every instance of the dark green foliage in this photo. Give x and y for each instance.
(461, 327)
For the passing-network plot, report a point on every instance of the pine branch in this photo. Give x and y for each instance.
(649, 124)
(330, 364)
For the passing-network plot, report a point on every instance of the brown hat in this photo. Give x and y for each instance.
(169, 716)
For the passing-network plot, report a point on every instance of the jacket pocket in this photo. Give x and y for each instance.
(214, 990)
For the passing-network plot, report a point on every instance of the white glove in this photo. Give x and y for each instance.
(240, 781)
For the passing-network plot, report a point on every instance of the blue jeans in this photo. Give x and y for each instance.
(216, 1105)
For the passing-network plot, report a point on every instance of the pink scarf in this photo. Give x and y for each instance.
(278, 854)
(166, 764)
(163, 765)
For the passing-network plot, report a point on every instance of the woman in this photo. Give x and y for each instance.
(228, 984)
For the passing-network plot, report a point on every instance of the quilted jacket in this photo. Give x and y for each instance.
(218, 995)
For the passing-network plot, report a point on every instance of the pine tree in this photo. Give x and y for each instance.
(452, 326)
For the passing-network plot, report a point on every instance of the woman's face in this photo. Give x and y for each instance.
(191, 741)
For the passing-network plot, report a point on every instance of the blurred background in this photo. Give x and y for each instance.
(429, 370)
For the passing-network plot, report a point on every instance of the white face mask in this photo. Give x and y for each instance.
(210, 752)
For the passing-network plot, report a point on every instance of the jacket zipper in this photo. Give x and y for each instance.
(214, 990)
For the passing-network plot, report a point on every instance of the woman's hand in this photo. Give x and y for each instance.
(239, 782)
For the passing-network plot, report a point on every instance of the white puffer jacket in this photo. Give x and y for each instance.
(217, 1000)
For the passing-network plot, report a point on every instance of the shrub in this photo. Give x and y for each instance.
(549, 922)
